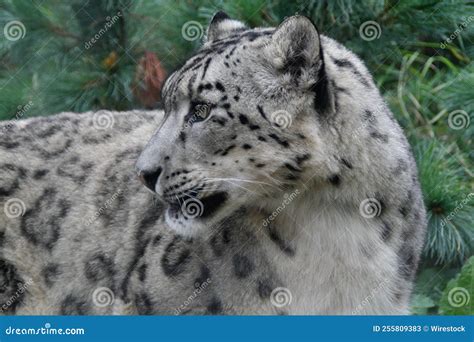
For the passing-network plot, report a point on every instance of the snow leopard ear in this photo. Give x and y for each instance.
(295, 51)
(295, 44)
(221, 26)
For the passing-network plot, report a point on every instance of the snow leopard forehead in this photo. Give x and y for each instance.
(214, 56)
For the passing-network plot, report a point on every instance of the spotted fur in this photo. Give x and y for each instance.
(281, 200)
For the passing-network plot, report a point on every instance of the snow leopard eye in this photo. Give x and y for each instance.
(199, 111)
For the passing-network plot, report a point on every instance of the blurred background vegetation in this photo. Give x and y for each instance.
(82, 55)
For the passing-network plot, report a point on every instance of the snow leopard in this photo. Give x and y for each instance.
(275, 181)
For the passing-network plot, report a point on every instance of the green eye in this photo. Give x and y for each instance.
(200, 111)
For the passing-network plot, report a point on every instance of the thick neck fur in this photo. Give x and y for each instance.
(323, 252)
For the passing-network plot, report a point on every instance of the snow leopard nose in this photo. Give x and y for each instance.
(150, 177)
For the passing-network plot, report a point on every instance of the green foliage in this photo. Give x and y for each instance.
(445, 291)
(421, 60)
(458, 297)
(58, 62)
(429, 287)
(449, 204)
(421, 304)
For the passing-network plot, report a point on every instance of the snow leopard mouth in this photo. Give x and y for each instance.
(196, 208)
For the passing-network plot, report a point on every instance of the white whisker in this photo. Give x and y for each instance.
(237, 185)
